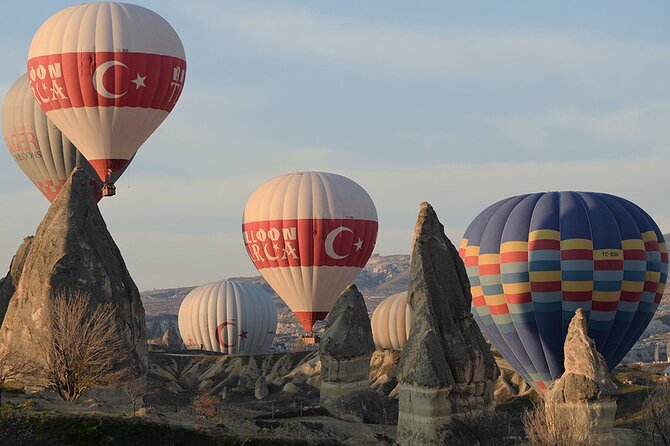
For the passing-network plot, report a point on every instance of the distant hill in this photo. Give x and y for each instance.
(381, 277)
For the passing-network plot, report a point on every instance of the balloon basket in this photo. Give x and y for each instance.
(310, 338)
(108, 190)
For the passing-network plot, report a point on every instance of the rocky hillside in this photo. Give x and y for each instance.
(381, 277)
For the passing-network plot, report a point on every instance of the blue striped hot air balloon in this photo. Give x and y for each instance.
(534, 259)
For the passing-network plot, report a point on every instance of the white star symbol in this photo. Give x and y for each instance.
(359, 244)
(139, 81)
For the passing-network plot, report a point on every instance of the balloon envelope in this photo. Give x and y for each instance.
(228, 317)
(391, 322)
(107, 74)
(534, 259)
(310, 234)
(38, 147)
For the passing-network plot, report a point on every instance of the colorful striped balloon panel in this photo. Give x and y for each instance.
(534, 259)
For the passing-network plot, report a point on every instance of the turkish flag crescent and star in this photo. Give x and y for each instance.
(123, 79)
(106, 79)
(310, 242)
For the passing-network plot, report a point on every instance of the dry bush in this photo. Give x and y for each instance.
(14, 365)
(82, 348)
(487, 429)
(206, 405)
(548, 425)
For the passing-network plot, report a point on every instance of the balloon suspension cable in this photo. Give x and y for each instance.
(108, 188)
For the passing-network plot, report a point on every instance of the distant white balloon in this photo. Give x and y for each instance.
(391, 322)
(228, 317)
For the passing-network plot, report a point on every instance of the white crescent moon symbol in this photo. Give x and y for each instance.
(331, 238)
(97, 79)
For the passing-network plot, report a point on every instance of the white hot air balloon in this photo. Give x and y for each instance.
(228, 317)
(391, 322)
(107, 74)
(310, 234)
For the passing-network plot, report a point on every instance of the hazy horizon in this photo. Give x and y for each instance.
(460, 105)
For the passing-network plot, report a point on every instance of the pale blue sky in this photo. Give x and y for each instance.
(460, 104)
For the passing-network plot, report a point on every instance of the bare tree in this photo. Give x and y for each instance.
(135, 389)
(548, 425)
(82, 349)
(656, 416)
(14, 365)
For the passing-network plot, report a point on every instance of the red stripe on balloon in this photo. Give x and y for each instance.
(514, 256)
(310, 242)
(608, 265)
(308, 318)
(630, 296)
(544, 245)
(490, 269)
(106, 79)
(577, 296)
(577, 254)
(634, 254)
(651, 246)
(479, 300)
(604, 306)
(498, 309)
(518, 298)
(545, 286)
(651, 286)
(103, 167)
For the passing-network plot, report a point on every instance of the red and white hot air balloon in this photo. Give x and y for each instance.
(310, 234)
(42, 152)
(107, 74)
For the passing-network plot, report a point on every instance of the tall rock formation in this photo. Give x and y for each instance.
(72, 251)
(446, 369)
(585, 389)
(346, 346)
(345, 352)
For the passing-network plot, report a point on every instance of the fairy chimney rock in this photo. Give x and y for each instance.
(72, 251)
(585, 389)
(446, 369)
(346, 346)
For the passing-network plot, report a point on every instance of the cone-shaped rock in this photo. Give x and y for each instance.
(345, 352)
(171, 339)
(73, 251)
(446, 368)
(585, 389)
(348, 331)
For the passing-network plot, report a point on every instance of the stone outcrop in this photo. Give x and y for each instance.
(346, 346)
(446, 369)
(72, 251)
(261, 388)
(9, 283)
(171, 339)
(585, 389)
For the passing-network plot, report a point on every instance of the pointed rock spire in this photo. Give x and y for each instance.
(348, 331)
(446, 369)
(440, 299)
(73, 251)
